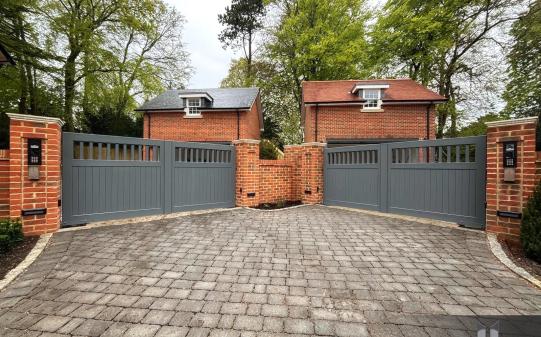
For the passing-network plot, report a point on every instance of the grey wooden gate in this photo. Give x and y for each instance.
(108, 177)
(442, 179)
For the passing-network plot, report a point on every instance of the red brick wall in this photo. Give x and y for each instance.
(348, 122)
(212, 126)
(45, 192)
(297, 177)
(505, 196)
(4, 183)
(275, 181)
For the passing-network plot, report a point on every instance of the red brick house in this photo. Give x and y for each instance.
(204, 115)
(367, 111)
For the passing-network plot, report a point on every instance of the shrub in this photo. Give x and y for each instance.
(11, 232)
(530, 229)
(267, 150)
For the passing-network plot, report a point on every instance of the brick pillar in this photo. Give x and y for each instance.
(26, 194)
(509, 196)
(312, 173)
(293, 154)
(247, 173)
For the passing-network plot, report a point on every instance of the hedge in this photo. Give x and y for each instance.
(11, 232)
(530, 228)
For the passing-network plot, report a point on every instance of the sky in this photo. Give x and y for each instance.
(209, 60)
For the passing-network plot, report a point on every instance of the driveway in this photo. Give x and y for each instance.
(310, 270)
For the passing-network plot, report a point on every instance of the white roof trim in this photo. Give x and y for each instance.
(509, 122)
(36, 119)
(207, 96)
(357, 87)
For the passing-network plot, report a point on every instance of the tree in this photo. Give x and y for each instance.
(79, 22)
(319, 40)
(142, 55)
(280, 126)
(437, 43)
(19, 36)
(89, 62)
(523, 92)
(242, 20)
(311, 40)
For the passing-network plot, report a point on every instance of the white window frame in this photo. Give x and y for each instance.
(373, 99)
(192, 106)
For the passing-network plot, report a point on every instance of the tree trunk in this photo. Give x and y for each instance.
(249, 61)
(69, 89)
(23, 89)
(23, 92)
(445, 110)
(31, 88)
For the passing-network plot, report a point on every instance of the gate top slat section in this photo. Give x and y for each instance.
(87, 137)
(459, 153)
(188, 154)
(438, 142)
(352, 156)
(103, 150)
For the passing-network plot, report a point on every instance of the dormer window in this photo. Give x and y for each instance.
(371, 93)
(373, 98)
(193, 104)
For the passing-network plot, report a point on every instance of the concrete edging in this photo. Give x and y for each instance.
(497, 250)
(29, 259)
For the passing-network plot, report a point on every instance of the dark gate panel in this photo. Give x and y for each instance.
(203, 176)
(108, 177)
(352, 176)
(441, 179)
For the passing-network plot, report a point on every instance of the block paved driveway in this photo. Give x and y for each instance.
(304, 271)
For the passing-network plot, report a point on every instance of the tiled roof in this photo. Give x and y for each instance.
(340, 91)
(223, 98)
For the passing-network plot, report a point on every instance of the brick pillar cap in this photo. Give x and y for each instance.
(314, 144)
(509, 122)
(246, 141)
(33, 118)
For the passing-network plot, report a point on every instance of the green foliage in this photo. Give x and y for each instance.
(312, 40)
(89, 61)
(11, 232)
(113, 123)
(523, 92)
(320, 39)
(267, 150)
(479, 127)
(530, 229)
(442, 44)
(280, 115)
